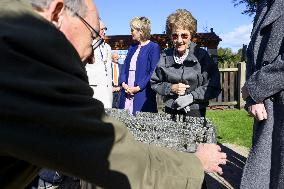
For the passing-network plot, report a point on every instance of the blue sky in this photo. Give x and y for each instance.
(227, 21)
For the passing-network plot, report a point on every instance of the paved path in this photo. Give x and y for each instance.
(232, 172)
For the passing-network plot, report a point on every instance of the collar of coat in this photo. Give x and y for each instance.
(191, 54)
(275, 11)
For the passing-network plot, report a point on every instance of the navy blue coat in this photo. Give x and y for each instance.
(145, 99)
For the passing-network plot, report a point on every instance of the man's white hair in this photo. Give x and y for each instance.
(77, 6)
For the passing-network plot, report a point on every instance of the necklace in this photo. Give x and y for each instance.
(103, 55)
(104, 58)
(179, 60)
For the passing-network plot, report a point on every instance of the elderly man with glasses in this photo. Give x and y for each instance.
(96, 36)
(49, 118)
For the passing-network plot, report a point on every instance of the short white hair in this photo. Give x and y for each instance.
(77, 6)
(40, 3)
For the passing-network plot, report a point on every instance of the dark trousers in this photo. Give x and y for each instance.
(192, 113)
(116, 99)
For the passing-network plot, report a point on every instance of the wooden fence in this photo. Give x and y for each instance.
(232, 76)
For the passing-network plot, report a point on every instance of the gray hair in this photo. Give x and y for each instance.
(76, 6)
(183, 19)
(40, 3)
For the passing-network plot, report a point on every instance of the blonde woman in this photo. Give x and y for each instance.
(186, 76)
(140, 62)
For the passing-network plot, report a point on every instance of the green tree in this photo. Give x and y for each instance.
(239, 55)
(226, 55)
(250, 6)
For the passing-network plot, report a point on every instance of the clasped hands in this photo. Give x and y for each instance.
(130, 90)
(258, 110)
(179, 88)
(183, 100)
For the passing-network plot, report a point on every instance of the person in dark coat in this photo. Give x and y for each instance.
(264, 95)
(185, 76)
(139, 64)
(49, 118)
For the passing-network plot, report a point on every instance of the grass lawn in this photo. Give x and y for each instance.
(233, 126)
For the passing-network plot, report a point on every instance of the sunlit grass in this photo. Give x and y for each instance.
(233, 126)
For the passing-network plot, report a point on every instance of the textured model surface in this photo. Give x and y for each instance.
(180, 133)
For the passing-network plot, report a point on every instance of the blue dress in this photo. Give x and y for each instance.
(147, 60)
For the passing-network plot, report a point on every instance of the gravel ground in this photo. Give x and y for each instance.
(232, 171)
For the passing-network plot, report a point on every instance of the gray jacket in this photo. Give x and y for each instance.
(198, 70)
(265, 84)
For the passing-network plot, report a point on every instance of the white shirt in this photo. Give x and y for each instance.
(100, 75)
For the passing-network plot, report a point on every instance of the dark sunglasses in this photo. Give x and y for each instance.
(183, 36)
(97, 40)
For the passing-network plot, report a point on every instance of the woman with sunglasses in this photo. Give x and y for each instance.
(186, 76)
(139, 64)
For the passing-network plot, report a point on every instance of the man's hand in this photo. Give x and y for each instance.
(258, 111)
(115, 89)
(183, 101)
(179, 88)
(211, 157)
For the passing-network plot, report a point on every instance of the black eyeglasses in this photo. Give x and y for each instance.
(97, 40)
